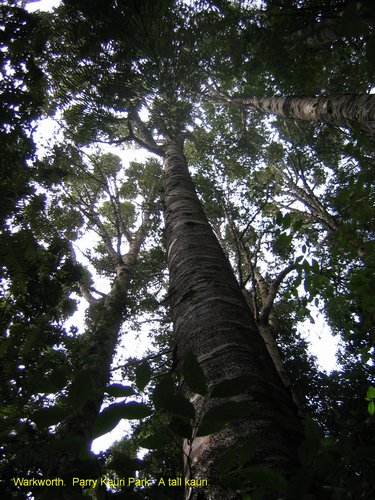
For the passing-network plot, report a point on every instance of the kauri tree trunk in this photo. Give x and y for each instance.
(211, 319)
(353, 111)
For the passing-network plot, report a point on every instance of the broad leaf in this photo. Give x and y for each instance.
(228, 460)
(119, 390)
(207, 428)
(143, 374)
(267, 478)
(49, 416)
(247, 451)
(229, 411)
(134, 410)
(231, 387)
(155, 441)
(193, 374)
(179, 405)
(107, 420)
(181, 428)
(163, 391)
(80, 390)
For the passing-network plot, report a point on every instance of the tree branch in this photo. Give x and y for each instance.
(271, 291)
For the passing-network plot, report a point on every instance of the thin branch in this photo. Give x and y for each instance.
(147, 141)
(272, 292)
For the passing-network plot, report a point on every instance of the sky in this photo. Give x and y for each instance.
(45, 5)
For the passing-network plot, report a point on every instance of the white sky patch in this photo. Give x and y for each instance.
(43, 5)
(322, 343)
(102, 443)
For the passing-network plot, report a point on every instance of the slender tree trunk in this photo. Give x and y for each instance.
(268, 324)
(211, 319)
(268, 335)
(353, 111)
(265, 318)
(331, 29)
(319, 34)
(98, 344)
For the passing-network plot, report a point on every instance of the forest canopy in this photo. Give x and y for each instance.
(248, 205)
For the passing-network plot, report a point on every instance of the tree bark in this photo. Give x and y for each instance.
(318, 34)
(353, 111)
(328, 30)
(211, 319)
(268, 323)
(104, 319)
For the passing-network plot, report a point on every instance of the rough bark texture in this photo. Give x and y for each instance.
(211, 319)
(354, 111)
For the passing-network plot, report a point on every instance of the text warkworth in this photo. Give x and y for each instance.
(110, 482)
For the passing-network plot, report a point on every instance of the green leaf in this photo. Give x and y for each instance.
(119, 390)
(107, 420)
(352, 24)
(370, 51)
(231, 482)
(155, 441)
(181, 428)
(306, 265)
(308, 451)
(279, 218)
(207, 428)
(80, 390)
(298, 281)
(163, 391)
(307, 284)
(284, 240)
(267, 478)
(247, 451)
(368, 6)
(193, 374)
(51, 383)
(143, 374)
(125, 465)
(287, 220)
(313, 430)
(315, 266)
(179, 405)
(134, 410)
(46, 417)
(228, 461)
(371, 408)
(228, 411)
(300, 484)
(67, 444)
(297, 225)
(370, 394)
(232, 387)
